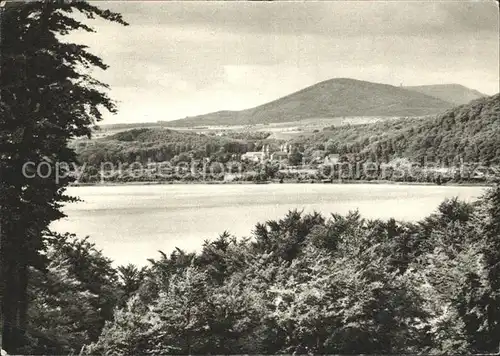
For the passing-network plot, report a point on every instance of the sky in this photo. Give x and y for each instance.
(179, 59)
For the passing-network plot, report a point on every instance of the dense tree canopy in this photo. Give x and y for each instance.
(468, 133)
(313, 284)
(47, 97)
(158, 145)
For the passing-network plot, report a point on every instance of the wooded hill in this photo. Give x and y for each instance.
(334, 98)
(468, 132)
(452, 93)
(159, 144)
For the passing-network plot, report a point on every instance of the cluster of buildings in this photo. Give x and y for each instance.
(259, 156)
(318, 157)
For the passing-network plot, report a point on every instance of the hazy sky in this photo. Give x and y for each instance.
(178, 59)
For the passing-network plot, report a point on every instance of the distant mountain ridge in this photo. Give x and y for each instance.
(331, 98)
(453, 93)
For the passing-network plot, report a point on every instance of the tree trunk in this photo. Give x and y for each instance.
(12, 330)
(2, 284)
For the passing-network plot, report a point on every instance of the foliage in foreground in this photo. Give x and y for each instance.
(302, 284)
(48, 96)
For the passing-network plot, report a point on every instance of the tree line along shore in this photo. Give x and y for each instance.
(461, 145)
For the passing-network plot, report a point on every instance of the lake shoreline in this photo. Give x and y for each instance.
(345, 182)
(130, 223)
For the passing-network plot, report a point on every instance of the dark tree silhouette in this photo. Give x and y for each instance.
(47, 97)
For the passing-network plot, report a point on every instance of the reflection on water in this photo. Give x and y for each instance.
(131, 223)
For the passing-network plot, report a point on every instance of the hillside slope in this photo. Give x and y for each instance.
(331, 98)
(470, 133)
(159, 145)
(452, 93)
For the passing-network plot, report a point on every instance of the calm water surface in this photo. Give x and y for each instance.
(130, 223)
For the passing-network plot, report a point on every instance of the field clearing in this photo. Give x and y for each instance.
(280, 131)
(310, 124)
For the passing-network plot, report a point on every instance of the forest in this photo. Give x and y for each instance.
(466, 133)
(303, 284)
(465, 137)
(158, 145)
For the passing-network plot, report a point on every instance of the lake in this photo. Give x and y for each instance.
(130, 223)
